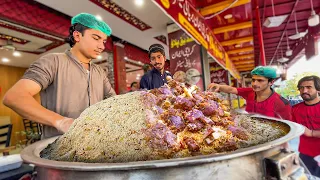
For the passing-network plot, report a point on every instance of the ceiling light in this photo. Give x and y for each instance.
(99, 57)
(283, 59)
(139, 2)
(313, 19)
(298, 34)
(228, 16)
(16, 54)
(125, 57)
(274, 21)
(289, 51)
(99, 17)
(5, 60)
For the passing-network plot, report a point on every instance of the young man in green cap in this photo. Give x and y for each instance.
(68, 83)
(261, 98)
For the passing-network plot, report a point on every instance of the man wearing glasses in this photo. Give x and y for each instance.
(261, 98)
(156, 77)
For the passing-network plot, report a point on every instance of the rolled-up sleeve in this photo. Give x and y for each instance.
(43, 70)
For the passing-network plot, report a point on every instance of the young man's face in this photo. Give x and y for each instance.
(157, 60)
(90, 43)
(260, 83)
(135, 87)
(307, 91)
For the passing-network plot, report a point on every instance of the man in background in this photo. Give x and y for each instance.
(134, 86)
(307, 113)
(157, 76)
(261, 98)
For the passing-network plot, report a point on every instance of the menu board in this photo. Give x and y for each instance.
(218, 74)
(185, 59)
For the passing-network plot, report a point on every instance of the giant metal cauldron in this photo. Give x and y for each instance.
(257, 162)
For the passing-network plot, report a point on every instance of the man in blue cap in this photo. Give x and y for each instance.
(68, 82)
(261, 98)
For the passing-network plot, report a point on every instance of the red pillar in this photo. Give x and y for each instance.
(260, 36)
(119, 70)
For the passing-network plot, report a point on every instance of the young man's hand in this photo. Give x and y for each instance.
(64, 124)
(307, 132)
(214, 87)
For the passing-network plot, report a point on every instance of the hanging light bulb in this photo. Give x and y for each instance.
(282, 59)
(313, 20)
(274, 21)
(298, 34)
(289, 51)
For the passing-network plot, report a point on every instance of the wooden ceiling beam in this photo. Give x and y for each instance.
(246, 56)
(214, 8)
(233, 27)
(240, 50)
(237, 41)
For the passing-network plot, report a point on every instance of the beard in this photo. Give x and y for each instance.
(308, 97)
(158, 66)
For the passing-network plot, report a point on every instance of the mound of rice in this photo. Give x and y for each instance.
(170, 122)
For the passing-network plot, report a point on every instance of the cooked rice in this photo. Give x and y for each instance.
(129, 128)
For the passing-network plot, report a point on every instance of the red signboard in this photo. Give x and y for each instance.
(185, 59)
(190, 20)
(218, 74)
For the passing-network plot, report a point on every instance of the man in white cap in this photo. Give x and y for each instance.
(68, 82)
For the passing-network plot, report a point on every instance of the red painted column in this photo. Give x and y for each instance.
(260, 36)
(119, 70)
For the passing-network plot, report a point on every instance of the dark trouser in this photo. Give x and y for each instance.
(311, 164)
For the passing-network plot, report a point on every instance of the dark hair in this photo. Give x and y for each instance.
(270, 79)
(133, 83)
(156, 48)
(315, 79)
(76, 27)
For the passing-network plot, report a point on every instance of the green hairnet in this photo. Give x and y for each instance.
(92, 22)
(265, 71)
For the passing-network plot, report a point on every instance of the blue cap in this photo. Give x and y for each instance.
(92, 22)
(265, 71)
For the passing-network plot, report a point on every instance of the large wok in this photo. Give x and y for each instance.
(256, 162)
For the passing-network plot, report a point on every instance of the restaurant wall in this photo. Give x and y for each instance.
(8, 77)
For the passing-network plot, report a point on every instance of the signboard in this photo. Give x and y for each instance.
(218, 74)
(190, 20)
(185, 59)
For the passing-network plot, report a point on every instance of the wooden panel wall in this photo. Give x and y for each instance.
(8, 77)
